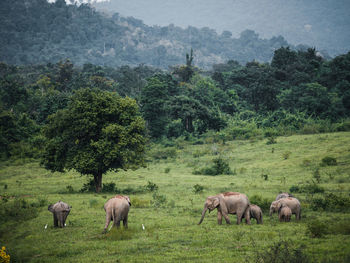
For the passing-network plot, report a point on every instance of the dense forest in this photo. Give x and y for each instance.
(298, 92)
(36, 32)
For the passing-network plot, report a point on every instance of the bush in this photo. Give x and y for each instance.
(264, 203)
(281, 252)
(197, 188)
(19, 209)
(158, 200)
(220, 166)
(109, 188)
(328, 161)
(163, 153)
(316, 228)
(294, 189)
(331, 202)
(89, 186)
(139, 203)
(151, 187)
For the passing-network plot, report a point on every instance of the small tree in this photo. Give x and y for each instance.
(98, 131)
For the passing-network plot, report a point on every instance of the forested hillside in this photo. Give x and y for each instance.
(35, 31)
(299, 92)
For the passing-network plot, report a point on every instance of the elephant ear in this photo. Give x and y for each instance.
(50, 208)
(127, 199)
(216, 202)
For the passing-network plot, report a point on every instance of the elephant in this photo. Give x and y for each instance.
(291, 202)
(283, 195)
(228, 203)
(284, 213)
(60, 212)
(256, 212)
(117, 209)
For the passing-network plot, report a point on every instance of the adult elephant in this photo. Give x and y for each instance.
(60, 211)
(291, 202)
(117, 209)
(283, 195)
(228, 203)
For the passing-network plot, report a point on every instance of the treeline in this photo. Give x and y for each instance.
(36, 32)
(298, 92)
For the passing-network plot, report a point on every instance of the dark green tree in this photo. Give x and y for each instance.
(98, 131)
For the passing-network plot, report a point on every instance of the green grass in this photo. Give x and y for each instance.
(171, 232)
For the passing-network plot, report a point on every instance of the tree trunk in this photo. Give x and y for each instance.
(98, 182)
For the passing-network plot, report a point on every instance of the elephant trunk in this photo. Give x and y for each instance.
(271, 212)
(203, 214)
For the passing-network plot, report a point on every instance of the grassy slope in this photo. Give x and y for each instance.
(172, 233)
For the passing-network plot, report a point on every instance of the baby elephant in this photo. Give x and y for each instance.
(255, 212)
(60, 212)
(117, 209)
(284, 213)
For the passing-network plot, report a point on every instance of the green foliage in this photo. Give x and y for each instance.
(258, 200)
(97, 132)
(282, 252)
(220, 166)
(151, 187)
(316, 228)
(197, 188)
(160, 153)
(158, 200)
(19, 209)
(329, 161)
(330, 202)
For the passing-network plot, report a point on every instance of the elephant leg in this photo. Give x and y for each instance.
(219, 218)
(55, 220)
(117, 223)
(247, 216)
(298, 215)
(60, 219)
(239, 218)
(125, 222)
(227, 219)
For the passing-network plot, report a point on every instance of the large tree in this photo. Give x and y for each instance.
(98, 131)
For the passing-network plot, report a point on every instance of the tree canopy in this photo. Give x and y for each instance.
(97, 132)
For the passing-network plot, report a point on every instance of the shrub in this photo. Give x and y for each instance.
(312, 188)
(328, 161)
(286, 155)
(331, 202)
(220, 166)
(316, 228)
(109, 188)
(140, 203)
(19, 209)
(197, 188)
(317, 175)
(281, 252)
(167, 170)
(70, 189)
(294, 189)
(89, 186)
(151, 187)
(264, 203)
(161, 153)
(158, 200)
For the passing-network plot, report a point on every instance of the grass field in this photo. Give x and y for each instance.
(170, 215)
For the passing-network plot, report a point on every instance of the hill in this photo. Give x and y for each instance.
(35, 31)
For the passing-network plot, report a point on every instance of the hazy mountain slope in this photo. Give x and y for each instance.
(34, 31)
(323, 23)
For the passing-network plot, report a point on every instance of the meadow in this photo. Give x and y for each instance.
(168, 198)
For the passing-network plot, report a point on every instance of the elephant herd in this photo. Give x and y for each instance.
(117, 209)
